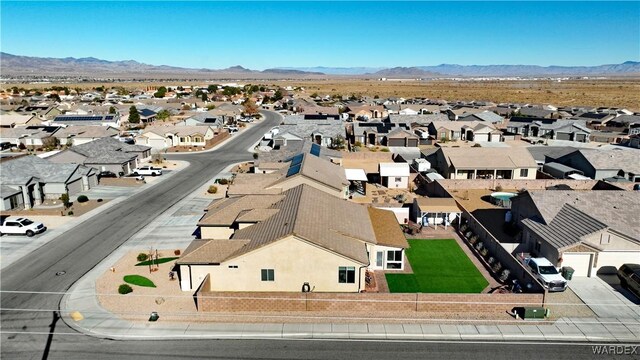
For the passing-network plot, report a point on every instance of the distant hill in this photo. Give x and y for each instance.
(405, 72)
(452, 70)
(16, 65)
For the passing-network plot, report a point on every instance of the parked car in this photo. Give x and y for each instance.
(107, 174)
(629, 275)
(147, 170)
(548, 275)
(6, 145)
(21, 226)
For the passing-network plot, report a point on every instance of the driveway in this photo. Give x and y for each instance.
(605, 297)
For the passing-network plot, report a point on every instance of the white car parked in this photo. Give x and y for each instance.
(21, 226)
(147, 170)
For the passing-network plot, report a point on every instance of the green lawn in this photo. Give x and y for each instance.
(156, 262)
(439, 266)
(139, 280)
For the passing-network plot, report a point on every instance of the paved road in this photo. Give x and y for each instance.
(79, 250)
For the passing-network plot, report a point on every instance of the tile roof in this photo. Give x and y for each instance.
(20, 170)
(107, 146)
(86, 131)
(617, 209)
(629, 161)
(386, 228)
(567, 228)
(489, 158)
(226, 211)
(315, 216)
(210, 251)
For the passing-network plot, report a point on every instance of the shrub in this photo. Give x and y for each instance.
(212, 189)
(70, 213)
(498, 188)
(357, 144)
(384, 150)
(99, 200)
(255, 155)
(22, 146)
(142, 257)
(223, 181)
(176, 252)
(477, 145)
(83, 199)
(65, 200)
(124, 289)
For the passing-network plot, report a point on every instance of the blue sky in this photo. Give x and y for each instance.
(260, 35)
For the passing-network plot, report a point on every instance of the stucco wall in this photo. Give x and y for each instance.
(294, 262)
(215, 232)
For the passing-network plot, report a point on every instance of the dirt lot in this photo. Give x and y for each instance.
(618, 93)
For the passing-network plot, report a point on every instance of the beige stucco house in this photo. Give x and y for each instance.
(484, 163)
(305, 237)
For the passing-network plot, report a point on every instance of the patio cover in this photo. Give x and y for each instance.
(355, 174)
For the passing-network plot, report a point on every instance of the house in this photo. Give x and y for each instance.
(388, 253)
(207, 119)
(30, 136)
(591, 231)
(374, 133)
(484, 163)
(484, 116)
(536, 112)
(321, 113)
(82, 134)
(162, 137)
(428, 211)
(303, 168)
(274, 251)
(365, 112)
(403, 138)
(463, 130)
(12, 120)
(604, 164)
(276, 159)
(105, 154)
(570, 129)
(394, 175)
(28, 180)
(112, 120)
(295, 129)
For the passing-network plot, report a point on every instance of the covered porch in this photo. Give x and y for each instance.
(431, 212)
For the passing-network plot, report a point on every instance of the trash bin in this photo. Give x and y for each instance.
(567, 272)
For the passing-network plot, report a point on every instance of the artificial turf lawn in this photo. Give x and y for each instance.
(139, 280)
(439, 266)
(156, 262)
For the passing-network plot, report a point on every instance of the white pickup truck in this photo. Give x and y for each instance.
(20, 226)
(544, 271)
(147, 170)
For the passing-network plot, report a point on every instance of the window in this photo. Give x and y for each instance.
(524, 172)
(398, 179)
(346, 275)
(183, 139)
(268, 275)
(394, 259)
(233, 266)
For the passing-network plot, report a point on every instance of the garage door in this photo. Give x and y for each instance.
(75, 187)
(396, 142)
(157, 143)
(580, 262)
(563, 136)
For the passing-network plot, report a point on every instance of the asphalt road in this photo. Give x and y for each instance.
(41, 335)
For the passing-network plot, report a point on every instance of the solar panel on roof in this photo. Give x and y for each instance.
(315, 150)
(296, 160)
(294, 170)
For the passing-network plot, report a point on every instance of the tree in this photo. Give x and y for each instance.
(161, 92)
(278, 95)
(163, 115)
(65, 200)
(249, 107)
(50, 143)
(212, 89)
(205, 98)
(113, 110)
(338, 143)
(134, 116)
